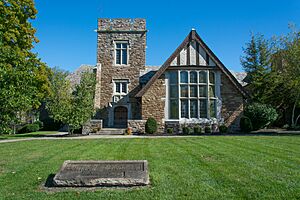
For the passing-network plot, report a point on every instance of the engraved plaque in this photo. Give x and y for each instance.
(102, 173)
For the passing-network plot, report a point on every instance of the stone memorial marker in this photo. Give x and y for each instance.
(102, 173)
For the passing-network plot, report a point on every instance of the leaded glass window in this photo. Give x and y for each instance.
(184, 77)
(203, 108)
(203, 91)
(192, 94)
(184, 92)
(194, 108)
(173, 91)
(184, 108)
(193, 77)
(213, 108)
(202, 77)
(193, 91)
(173, 77)
(174, 109)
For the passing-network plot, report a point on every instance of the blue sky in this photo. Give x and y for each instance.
(65, 28)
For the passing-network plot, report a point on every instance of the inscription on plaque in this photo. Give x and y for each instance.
(102, 173)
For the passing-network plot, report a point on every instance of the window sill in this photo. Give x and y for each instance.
(121, 65)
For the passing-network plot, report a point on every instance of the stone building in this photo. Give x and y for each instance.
(191, 87)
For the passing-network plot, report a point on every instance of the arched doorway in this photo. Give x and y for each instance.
(120, 117)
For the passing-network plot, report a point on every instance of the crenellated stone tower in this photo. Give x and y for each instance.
(120, 58)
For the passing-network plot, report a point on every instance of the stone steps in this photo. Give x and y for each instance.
(110, 131)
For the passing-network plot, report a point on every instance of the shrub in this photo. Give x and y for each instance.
(197, 130)
(170, 130)
(286, 126)
(207, 129)
(295, 128)
(261, 115)
(28, 128)
(41, 124)
(186, 130)
(223, 128)
(51, 125)
(245, 124)
(151, 126)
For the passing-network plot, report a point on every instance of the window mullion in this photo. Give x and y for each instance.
(188, 96)
(179, 95)
(198, 96)
(121, 56)
(208, 97)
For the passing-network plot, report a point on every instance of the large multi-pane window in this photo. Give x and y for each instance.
(192, 94)
(121, 52)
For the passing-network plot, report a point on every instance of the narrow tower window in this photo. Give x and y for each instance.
(121, 52)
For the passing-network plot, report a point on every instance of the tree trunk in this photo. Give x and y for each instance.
(69, 130)
(14, 129)
(293, 112)
(296, 122)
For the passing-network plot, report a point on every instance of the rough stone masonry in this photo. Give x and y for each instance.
(102, 173)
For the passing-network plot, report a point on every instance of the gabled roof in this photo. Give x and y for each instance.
(192, 36)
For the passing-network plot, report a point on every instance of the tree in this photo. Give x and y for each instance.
(23, 77)
(286, 71)
(72, 106)
(274, 71)
(59, 104)
(256, 62)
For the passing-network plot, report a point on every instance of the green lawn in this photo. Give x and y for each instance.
(207, 167)
(33, 134)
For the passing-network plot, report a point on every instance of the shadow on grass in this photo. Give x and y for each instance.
(227, 134)
(263, 134)
(28, 135)
(49, 181)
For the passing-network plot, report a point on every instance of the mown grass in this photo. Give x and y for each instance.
(24, 135)
(213, 167)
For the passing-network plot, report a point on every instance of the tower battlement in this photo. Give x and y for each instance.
(106, 24)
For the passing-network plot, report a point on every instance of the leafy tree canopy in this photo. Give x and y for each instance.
(23, 77)
(72, 106)
(274, 70)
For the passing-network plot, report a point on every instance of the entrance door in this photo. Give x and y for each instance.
(120, 117)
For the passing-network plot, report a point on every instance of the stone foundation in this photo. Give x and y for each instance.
(177, 126)
(138, 126)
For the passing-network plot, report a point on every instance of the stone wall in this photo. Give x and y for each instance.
(121, 24)
(97, 98)
(153, 103)
(110, 30)
(92, 126)
(175, 125)
(232, 104)
(178, 126)
(138, 126)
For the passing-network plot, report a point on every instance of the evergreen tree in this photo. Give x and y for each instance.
(256, 62)
(274, 72)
